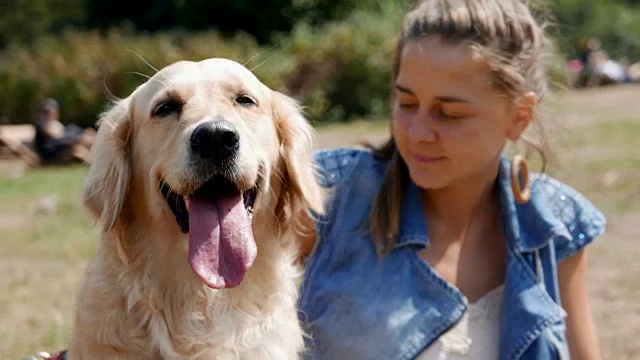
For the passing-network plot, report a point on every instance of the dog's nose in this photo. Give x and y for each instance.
(218, 141)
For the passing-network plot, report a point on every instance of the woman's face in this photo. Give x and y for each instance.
(450, 124)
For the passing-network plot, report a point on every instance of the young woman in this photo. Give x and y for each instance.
(436, 245)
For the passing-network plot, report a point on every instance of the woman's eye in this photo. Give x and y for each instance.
(167, 108)
(408, 106)
(450, 116)
(245, 100)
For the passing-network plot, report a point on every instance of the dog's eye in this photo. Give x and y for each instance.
(245, 100)
(167, 108)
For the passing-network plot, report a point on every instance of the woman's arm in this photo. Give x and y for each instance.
(581, 330)
(54, 129)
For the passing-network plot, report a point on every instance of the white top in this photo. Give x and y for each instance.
(475, 337)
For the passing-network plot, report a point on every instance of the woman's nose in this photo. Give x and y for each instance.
(423, 129)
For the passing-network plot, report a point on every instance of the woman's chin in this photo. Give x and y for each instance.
(429, 181)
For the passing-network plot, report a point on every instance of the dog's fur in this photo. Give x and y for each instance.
(140, 298)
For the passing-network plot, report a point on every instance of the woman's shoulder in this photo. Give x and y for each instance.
(565, 201)
(352, 178)
(580, 219)
(336, 165)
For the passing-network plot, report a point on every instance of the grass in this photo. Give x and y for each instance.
(42, 254)
(603, 161)
(18, 193)
(32, 229)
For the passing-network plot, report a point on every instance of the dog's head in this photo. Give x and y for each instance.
(201, 148)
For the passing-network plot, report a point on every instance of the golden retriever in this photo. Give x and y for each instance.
(199, 179)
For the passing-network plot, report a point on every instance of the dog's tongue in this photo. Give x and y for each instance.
(221, 244)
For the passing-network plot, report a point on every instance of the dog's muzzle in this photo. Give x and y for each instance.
(215, 142)
(217, 215)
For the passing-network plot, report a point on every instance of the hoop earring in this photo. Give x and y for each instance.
(519, 166)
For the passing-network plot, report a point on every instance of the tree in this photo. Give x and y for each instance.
(260, 19)
(23, 20)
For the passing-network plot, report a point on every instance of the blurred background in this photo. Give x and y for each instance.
(335, 57)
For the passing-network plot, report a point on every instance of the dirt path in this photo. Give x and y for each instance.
(614, 289)
(581, 108)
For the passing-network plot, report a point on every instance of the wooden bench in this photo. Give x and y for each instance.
(17, 140)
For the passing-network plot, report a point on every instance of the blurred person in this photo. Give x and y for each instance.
(634, 72)
(57, 143)
(436, 245)
(589, 47)
(597, 68)
(606, 71)
(590, 57)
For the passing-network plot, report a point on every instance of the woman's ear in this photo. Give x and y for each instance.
(525, 112)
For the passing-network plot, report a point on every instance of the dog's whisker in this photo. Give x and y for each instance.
(262, 63)
(261, 172)
(141, 74)
(148, 77)
(161, 184)
(256, 55)
(143, 60)
(111, 96)
(182, 125)
(148, 64)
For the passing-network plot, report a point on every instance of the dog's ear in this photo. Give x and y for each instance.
(107, 182)
(296, 148)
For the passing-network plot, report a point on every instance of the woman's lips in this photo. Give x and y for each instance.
(427, 159)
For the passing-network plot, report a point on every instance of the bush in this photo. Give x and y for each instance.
(342, 69)
(339, 70)
(83, 70)
(616, 24)
(331, 69)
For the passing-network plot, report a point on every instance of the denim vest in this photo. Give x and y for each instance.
(357, 305)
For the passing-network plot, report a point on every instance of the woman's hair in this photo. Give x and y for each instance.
(505, 35)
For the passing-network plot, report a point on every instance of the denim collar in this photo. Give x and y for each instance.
(527, 226)
(413, 225)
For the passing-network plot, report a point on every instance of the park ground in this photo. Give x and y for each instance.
(46, 238)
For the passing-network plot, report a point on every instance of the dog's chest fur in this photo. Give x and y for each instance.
(180, 318)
